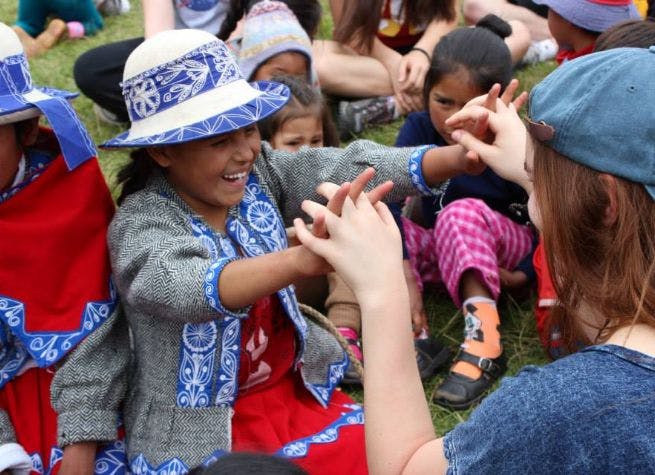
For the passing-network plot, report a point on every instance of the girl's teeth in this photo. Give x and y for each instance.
(236, 176)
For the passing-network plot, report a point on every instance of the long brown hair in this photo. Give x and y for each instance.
(359, 19)
(610, 267)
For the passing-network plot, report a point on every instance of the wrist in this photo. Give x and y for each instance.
(422, 51)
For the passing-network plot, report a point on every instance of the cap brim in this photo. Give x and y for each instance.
(14, 110)
(651, 190)
(591, 16)
(272, 98)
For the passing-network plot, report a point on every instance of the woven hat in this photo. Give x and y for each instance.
(183, 85)
(271, 28)
(599, 110)
(593, 15)
(21, 100)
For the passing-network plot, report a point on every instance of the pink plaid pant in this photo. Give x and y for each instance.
(468, 235)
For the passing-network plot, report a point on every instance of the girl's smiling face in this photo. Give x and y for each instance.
(210, 175)
(448, 96)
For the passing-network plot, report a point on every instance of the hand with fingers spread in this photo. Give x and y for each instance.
(336, 195)
(363, 245)
(506, 153)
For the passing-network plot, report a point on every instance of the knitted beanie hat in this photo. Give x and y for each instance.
(271, 28)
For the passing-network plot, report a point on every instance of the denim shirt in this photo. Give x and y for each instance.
(590, 412)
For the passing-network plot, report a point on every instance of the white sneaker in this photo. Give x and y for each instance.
(113, 7)
(539, 51)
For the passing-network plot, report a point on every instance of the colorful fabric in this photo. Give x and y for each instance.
(32, 14)
(394, 30)
(207, 15)
(77, 291)
(26, 400)
(19, 99)
(468, 236)
(564, 55)
(271, 28)
(549, 334)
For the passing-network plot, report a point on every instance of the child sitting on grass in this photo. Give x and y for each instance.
(223, 358)
(63, 346)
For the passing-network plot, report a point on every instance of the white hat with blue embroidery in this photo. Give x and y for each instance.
(21, 100)
(184, 85)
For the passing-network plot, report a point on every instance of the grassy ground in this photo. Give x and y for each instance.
(518, 329)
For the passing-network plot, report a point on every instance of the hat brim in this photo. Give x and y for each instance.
(591, 16)
(14, 110)
(273, 97)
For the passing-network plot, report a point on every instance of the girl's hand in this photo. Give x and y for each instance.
(79, 459)
(419, 318)
(412, 70)
(337, 195)
(405, 101)
(506, 154)
(512, 279)
(364, 244)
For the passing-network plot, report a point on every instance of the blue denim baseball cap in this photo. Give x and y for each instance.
(599, 111)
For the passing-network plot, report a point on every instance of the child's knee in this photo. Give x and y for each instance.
(464, 211)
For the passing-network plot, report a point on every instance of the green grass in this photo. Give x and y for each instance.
(518, 328)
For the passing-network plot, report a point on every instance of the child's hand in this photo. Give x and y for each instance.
(337, 194)
(79, 459)
(506, 154)
(419, 318)
(512, 279)
(364, 244)
(411, 74)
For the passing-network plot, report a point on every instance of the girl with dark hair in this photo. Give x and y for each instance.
(587, 162)
(224, 359)
(305, 121)
(473, 238)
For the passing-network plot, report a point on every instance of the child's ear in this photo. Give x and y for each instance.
(611, 212)
(160, 156)
(28, 132)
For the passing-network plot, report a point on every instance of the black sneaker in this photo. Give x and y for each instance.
(430, 356)
(354, 116)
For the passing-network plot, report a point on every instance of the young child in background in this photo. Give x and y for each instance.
(63, 346)
(223, 358)
(76, 18)
(576, 24)
(474, 237)
(305, 121)
(274, 44)
(594, 202)
(308, 13)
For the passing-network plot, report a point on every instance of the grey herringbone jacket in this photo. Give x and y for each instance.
(167, 262)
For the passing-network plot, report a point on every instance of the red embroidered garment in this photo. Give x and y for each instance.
(275, 410)
(54, 289)
(54, 257)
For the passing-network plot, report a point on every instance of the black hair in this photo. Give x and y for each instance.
(136, 173)
(480, 51)
(303, 96)
(248, 463)
(628, 34)
(308, 13)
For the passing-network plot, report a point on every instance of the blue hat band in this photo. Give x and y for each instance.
(15, 76)
(165, 86)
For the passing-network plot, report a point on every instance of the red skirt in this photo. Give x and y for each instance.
(274, 413)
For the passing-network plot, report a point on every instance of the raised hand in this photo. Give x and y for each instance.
(363, 246)
(506, 152)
